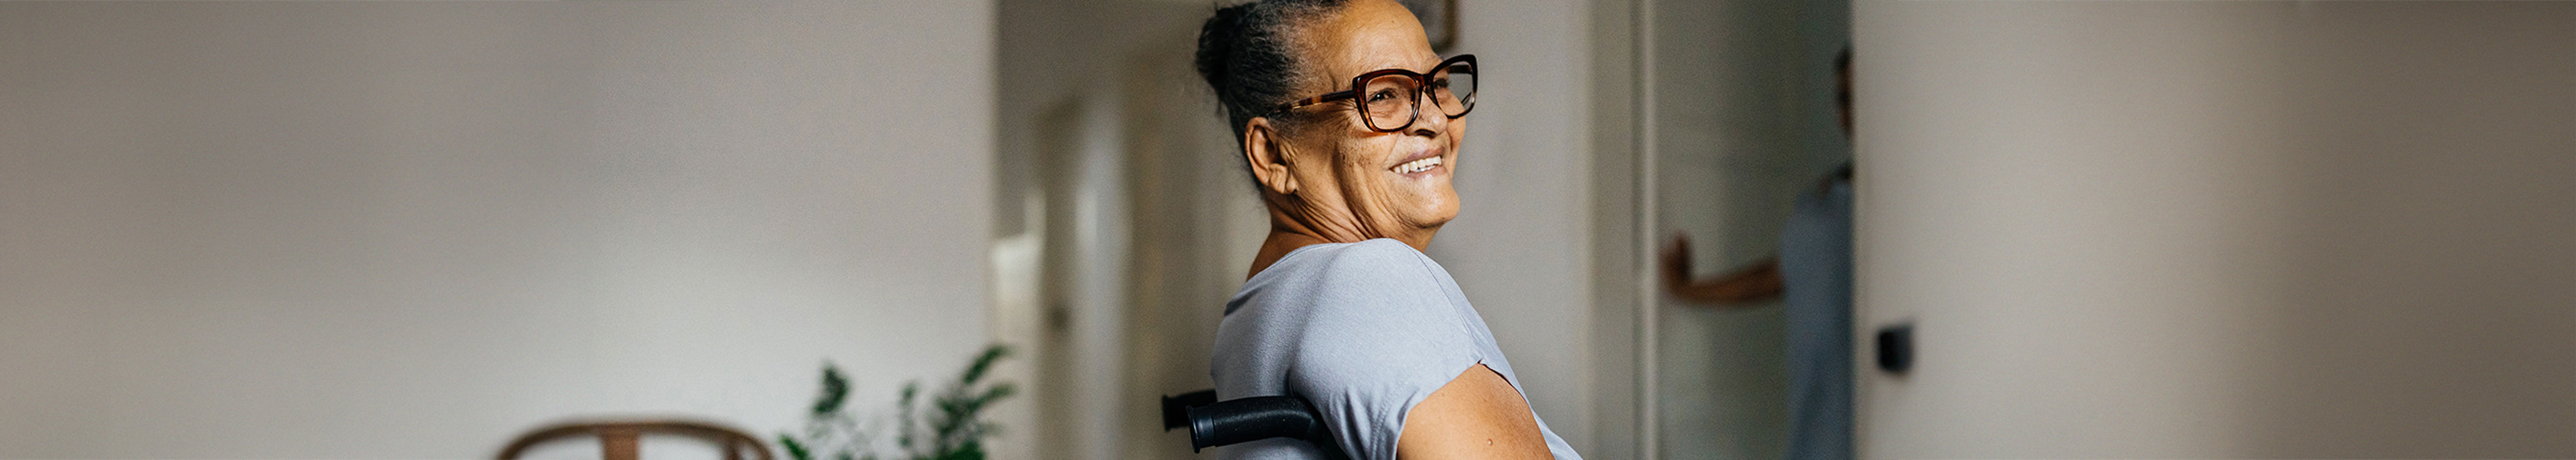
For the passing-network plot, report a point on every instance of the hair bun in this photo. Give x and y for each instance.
(1216, 43)
(1249, 53)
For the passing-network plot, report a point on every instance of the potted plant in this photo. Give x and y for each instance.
(953, 427)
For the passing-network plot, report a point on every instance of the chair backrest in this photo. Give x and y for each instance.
(620, 440)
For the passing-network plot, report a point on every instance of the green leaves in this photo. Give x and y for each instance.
(795, 450)
(959, 427)
(955, 422)
(836, 390)
(983, 362)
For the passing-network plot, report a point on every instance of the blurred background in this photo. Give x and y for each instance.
(422, 229)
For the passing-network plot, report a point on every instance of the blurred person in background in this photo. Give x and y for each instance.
(1350, 127)
(1813, 276)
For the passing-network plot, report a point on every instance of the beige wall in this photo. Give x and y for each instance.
(2219, 229)
(412, 229)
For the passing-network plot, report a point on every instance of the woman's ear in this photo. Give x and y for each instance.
(1267, 152)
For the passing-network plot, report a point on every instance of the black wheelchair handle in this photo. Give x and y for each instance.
(1176, 412)
(1255, 418)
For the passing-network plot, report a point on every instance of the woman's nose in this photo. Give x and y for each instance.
(1428, 118)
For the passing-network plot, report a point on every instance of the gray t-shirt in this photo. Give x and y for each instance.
(1816, 267)
(1363, 331)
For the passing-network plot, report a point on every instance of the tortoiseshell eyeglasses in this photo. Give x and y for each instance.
(1389, 99)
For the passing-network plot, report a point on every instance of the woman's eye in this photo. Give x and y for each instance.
(1381, 95)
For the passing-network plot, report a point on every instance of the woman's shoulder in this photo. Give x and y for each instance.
(1375, 254)
(1378, 270)
(1379, 286)
(1365, 330)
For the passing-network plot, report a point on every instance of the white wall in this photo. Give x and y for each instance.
(1521, 245)
(413, 229)
(1104, 139)
(2219, 229)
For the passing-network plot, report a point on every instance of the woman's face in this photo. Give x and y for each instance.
(1375, 182)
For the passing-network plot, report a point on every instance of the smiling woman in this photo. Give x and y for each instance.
(1350, 126)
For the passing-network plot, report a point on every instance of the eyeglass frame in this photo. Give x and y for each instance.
(1421, 80)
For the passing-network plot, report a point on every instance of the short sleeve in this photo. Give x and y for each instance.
(1384, 332)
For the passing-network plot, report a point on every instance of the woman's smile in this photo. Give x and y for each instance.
(1422, 164)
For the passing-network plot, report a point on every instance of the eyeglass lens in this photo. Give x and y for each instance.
(1390, 101)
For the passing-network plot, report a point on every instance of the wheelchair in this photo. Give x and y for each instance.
(1215, 423)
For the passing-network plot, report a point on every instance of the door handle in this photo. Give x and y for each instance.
(1896, 348)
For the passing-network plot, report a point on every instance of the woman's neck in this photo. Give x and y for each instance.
(1288, 232)
(1281, 242)
(1284, 240)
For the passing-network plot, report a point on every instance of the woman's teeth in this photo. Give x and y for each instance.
(1416, 166)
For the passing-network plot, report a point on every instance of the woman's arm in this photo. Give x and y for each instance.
(1757, 281)
(1476, 416)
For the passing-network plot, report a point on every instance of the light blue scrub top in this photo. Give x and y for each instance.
(1361, 330)
(1816, 274)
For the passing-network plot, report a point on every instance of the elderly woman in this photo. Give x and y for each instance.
(1350, 126)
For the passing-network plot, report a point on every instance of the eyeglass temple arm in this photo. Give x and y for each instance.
(1327, 97)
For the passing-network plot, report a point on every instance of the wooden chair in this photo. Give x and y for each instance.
(620, 440)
